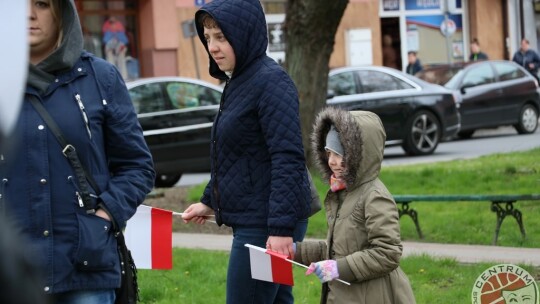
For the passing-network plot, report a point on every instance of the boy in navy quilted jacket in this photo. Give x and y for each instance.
(259, 184)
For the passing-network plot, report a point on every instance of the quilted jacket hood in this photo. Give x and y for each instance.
(362, 135)
(243, 24)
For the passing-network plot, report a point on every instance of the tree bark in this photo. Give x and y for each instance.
(310, 29)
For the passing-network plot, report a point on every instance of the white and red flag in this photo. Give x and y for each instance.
(149, 237)
(270, 266)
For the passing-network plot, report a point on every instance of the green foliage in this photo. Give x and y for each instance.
(199, 276)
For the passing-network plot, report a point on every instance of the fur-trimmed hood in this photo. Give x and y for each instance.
(362, 135)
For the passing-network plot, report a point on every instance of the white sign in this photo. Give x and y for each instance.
(413, 40)
(448, 27)
(13, 60)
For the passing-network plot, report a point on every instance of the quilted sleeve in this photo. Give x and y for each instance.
(280, 123)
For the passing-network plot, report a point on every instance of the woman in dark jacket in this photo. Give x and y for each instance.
(259, 184)
(73, 245)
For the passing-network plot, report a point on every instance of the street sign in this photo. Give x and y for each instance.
(448, 27)
(199, 2)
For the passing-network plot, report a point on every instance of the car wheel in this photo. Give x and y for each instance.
(465, 134)
(423, 134)
(528, 120)
(167, 180)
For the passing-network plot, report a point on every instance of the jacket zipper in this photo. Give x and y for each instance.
(77, 194)
(83, 113)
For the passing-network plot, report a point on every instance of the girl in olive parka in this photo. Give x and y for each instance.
(363, 244)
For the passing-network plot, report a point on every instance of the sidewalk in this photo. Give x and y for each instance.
(462, 253)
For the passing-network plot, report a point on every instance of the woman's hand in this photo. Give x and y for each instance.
(197, 213)
(101, 213)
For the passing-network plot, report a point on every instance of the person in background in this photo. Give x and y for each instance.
(527, 58)
(70, 240)
(115, 41)
(476, 54)
(389, 53)
(259, 184)
(363, 244)
(414, 65)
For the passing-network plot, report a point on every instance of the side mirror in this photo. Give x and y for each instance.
(464, 87)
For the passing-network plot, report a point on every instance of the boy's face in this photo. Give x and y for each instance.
(336, 164)
(220, 49)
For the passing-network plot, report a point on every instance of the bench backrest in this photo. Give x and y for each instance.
(466, 197)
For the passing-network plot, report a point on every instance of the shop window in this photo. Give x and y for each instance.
(273, 6)
(110, 32)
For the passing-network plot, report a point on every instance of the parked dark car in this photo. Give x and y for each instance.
(176, 115)
(416, 115)
(493, 93)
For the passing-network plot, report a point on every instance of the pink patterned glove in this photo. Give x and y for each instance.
(326, 270)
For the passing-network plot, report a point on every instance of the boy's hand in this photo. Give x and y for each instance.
(197, 213)
(281, 244)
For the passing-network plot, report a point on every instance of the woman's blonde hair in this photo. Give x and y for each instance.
(56, 10)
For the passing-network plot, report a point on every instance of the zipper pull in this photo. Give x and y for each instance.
(83, 112)
(79, 199)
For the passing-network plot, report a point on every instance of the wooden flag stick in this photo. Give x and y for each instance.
(291, 261)
(180, 214)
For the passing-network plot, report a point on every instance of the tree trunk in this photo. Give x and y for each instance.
(310, 29)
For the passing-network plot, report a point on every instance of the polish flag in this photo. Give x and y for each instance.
(149, 237)
(270, 266)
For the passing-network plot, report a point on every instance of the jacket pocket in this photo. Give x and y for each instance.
(97, 244)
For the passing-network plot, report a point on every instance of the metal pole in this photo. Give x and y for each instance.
(446, 34)
(195, 57)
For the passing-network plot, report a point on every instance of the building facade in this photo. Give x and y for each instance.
(160, 38)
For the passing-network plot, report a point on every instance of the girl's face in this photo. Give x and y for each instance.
(336, 164)
(220, 49)
(42, 29)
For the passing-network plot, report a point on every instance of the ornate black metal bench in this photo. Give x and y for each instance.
(502, 205)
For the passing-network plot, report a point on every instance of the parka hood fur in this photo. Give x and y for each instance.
(363, 137)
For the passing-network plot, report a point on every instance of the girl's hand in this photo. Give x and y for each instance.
(326, 270)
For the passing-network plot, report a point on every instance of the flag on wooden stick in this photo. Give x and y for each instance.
(270, 266)
(149, 237)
